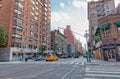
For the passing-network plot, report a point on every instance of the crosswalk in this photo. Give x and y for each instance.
(102, 72)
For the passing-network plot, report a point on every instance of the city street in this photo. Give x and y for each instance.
(71, 68)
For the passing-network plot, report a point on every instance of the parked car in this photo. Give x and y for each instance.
(76, 56)
(51, 57)
(39, 58)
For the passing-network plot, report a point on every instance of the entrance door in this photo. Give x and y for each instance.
(111, 55)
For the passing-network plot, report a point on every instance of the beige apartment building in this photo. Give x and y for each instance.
(28, 25)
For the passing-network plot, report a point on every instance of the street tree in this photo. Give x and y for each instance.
(42, 49)
(3, 37)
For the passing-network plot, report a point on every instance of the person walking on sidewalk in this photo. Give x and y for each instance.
(89, 56)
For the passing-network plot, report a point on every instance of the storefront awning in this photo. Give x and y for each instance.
(97, 30)
(117, 23)
(104, 26)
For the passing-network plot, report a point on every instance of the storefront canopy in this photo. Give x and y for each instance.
(117, 23)
(104, 26)
(97, 30)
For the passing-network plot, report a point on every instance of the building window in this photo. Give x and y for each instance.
(30, 40)
(106, 32)
(18, 12)
(119, 30)
(17, 28)
(22, 0)
(36, 35)
(19, 5)
(35, 41)
(32, 20)
(35, 47)
(18, 20)
(31, 26)
(31, 33)
(107, 12)
(30, 46)
(36, 13)
(113, 11)
(32, 14)
(32, 1)
(17, 36)
(107, 8)
(32, 8)
(14, 44)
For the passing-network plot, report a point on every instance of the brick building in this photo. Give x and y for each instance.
(70, 37)
(94, 12)
(58, 43)
(27, 23)
(109, 29)
(98, 10)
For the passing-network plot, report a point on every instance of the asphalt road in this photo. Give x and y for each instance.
(72, 68)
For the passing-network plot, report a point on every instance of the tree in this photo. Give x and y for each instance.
(3, 37)
(43, 48)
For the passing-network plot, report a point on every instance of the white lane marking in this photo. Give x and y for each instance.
(87, 69)
(90, 78)
(82, 63)
(76, 63)
(63, 77)
(104, 72)
(102, 75)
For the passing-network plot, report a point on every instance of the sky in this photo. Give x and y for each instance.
(73, 13)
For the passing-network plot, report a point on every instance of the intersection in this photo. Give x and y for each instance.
(71, 68)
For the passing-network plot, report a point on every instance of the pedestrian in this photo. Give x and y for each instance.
(21, 58)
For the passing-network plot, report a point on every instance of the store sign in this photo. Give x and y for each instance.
(108, 46)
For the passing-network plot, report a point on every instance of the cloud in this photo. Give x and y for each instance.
(59, 16)
(117, 2)
(79, 4)
(62, 4)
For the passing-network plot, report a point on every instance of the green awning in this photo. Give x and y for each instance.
(104, 26)
(97, 30)
(97, 37)
(117, 23)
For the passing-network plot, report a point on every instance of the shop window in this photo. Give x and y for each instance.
(14, 44)
(106, 32)
(30, 46)
(119, 30)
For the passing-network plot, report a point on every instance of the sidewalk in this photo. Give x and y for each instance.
(16, 62)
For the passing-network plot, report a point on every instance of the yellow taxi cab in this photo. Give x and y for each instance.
(51, 57)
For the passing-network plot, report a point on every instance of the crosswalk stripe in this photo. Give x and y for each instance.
(105, 72)
(95, 72)
(90, 78)
(102, 75)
